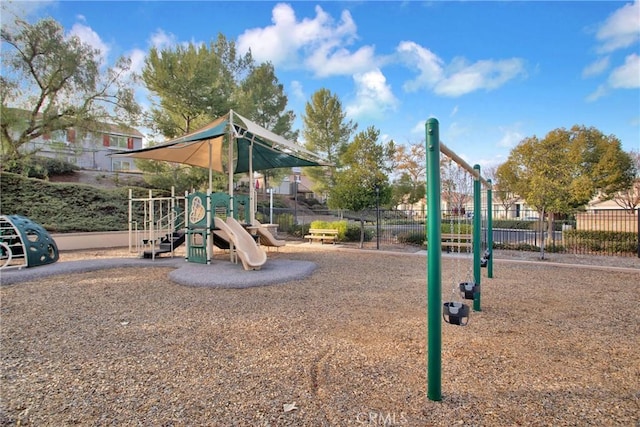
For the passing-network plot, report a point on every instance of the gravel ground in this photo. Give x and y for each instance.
(553, 345)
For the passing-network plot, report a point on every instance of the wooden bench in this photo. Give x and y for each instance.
(456, 240)
(322, 234)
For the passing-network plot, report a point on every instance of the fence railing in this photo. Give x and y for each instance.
(602, 232)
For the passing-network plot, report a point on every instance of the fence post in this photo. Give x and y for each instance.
(638, 218)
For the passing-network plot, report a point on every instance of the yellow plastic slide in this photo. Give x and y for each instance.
(251, 255)
(266, 238)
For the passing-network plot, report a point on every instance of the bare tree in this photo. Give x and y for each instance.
(457, 185)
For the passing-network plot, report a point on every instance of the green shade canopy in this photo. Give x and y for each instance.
(265, 157)
(257, 148)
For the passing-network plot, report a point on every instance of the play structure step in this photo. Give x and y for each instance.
(167, 244)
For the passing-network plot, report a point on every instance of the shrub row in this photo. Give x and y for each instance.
(67, 208)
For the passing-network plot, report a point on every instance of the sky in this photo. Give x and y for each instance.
(492, 73)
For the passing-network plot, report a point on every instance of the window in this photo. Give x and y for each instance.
(121, 165)
(117, 141)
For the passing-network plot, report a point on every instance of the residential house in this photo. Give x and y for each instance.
(90, 150)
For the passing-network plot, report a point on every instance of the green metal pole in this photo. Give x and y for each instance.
(434, 263)
(477, 225)
(490, 229)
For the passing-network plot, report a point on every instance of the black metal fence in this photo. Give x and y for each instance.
(597, 232)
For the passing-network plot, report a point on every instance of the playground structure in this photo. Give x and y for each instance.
(200, 221)
(24, 243)
(249, 147)
(452, 312)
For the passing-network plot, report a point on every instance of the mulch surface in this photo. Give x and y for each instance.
(553, 345)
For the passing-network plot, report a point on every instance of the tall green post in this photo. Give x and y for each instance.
(490, 229)
(434, 263)
(477, 233)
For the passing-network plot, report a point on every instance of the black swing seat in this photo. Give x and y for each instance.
(485, 258)
(468, 290)
(455, 313)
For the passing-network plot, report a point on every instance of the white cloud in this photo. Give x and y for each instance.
(276, 43)
(457, 132)
(419, 128)
(162, 40)
(511, 136)
(90, 37)
(373, 95)
(459, 78)
(328, 62)
(320, 41)
(626, 76)
(10, 11)
(621, 29)
(454, 111)
(297, 90)
(485, 74)
(324, 46)
(137, 57)
(597, 67)
(601, 91)
(429, 65)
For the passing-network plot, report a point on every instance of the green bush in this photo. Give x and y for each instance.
(341, 226)
(66, 208)
(517, 247)
(352, 234)
(311, 203)
(265, 205)
(285, 222)
(596, 241)
(516, 224)
(42, 167)
(412, 238)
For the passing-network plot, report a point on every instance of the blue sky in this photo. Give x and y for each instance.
(492, 73)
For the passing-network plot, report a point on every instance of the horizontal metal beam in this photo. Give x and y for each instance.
(459, 160)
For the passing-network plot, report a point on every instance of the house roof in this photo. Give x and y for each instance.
(100, 127)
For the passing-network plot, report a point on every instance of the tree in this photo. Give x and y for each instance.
(457, 186)
(405, 191)
(629, 199)
(411, 163)
(565, 170)
(262, 99)
(165, 175)
(52, 82)
(326, 132)
(190, 86)
(364, 175)
(500, 193)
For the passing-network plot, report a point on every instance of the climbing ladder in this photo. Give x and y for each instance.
(24, 243)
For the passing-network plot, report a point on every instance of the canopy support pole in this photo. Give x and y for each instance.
(210, 167)
(230, 162)
(252, 190)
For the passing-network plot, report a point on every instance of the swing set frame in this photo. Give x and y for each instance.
(434, 255)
